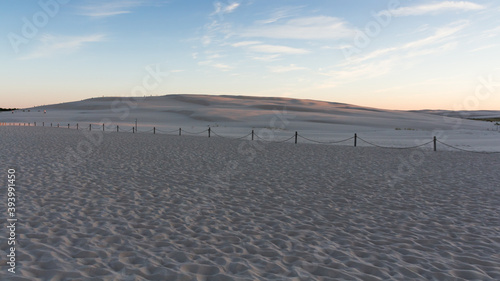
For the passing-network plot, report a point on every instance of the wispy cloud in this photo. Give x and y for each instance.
(420, 29)
(106, 13)
(217, 26)
(281, 13)
(320, 27)
(111, 8)
(490, 33)
(366, 70)
(354, 71)
(435, 8)
(245, 43)
(222, 66)
(288, 68)
(337, 47)
(432, 50)
(277, 49)
(484, 48)
(53, 45)
(442, 34)
(383, 61)
(218, 65)
(258, 47)
(103, 9)
(221, 8)
(266, 58)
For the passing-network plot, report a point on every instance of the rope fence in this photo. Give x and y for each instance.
(252, 134)
(168, 132)
(465, 150)
(391, 147)
(195, 133)
(275, 141)
(232, 138)
(325, 142)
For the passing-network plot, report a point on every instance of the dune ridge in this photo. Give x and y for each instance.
(235, 111)
(236, 116)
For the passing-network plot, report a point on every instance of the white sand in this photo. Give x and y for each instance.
(237, 116)
(157, 207)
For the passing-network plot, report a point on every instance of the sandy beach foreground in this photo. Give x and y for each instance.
(119, 206)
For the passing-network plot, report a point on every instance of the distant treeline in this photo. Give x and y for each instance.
(8, 109)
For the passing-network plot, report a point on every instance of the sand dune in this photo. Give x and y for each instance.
(158, 207)
(237, 111)
(236, 116)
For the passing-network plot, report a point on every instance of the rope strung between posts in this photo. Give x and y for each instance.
(96, 127)
(296, 135)
(274, 141)
(325, 142)
(391, 147)
(191, 133)
(461, 149)
(232, 138)
(168, 132)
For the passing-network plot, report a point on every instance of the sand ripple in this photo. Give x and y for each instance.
(144, 207)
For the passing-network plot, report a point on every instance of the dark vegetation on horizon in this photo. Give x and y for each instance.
(494, 119)
(8, 109)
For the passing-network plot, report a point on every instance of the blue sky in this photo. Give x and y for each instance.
(385, 54)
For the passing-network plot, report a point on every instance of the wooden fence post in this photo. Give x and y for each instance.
(68, 125)
(355, 139)
(35, 124)
(103, 127)
(296, 134)
(117, 128)
(434, 143)
(77, 126)
(180, 130)
(133, 130)
(154, 130)
(90, 127)
(43, 124)
(252, 134)
(208, 131)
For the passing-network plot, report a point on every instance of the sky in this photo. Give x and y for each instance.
(394, 54)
